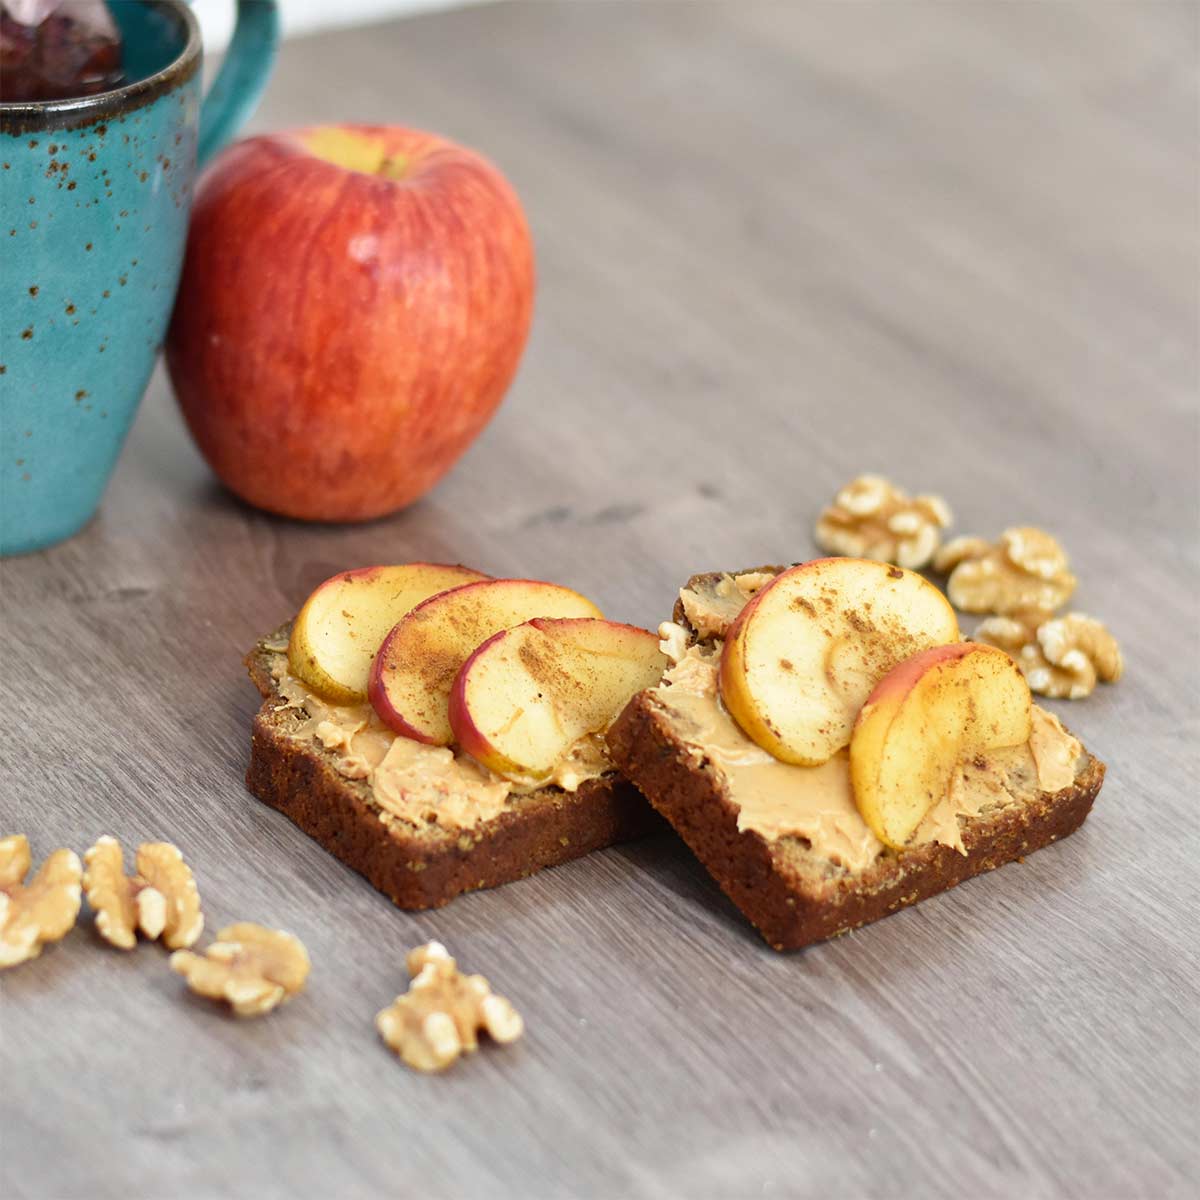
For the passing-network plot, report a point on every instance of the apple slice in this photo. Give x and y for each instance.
(415, 668)
(923, 718)
(528, 694)
(807, 649)
(338, 632)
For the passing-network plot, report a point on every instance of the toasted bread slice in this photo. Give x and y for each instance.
(422, 864)
(792, 894)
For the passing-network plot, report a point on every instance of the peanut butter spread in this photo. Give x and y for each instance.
(413, 782)
(777, 799)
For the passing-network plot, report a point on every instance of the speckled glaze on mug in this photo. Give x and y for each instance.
(94, 201)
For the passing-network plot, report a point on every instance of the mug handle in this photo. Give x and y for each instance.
(242, 76)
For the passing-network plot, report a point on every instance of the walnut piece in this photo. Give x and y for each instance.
(251, 968)
(439, 1017)
(872, 518)
(160, 900)
(1060, 657)
(1026, 569)
(672, 641)
(40, 911)
(161, 869)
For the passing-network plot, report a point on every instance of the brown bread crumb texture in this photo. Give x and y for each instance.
(426, 868)
(792, 896)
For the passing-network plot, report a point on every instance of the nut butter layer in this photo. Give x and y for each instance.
(421, 863)
(809, 870)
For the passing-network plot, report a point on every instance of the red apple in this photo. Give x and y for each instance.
(353, 306)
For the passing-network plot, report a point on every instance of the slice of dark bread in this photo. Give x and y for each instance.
(423, 866)
(792, 895)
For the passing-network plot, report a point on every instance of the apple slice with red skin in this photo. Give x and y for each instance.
(805, 652)
(415, 668)
(339, 630)
(924, 717)
(528, 694)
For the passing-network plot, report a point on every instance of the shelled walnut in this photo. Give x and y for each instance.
(40, 911)
(160, 900)
(872, 518)
(1060, 657)
(1025, 569)
(252, 968)
(439, 1017)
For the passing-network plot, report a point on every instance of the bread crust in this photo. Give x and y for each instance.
(792, 907)
(418, 869)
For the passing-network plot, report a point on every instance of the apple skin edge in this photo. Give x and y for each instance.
(894, 820)
(384, 709)
(340, 337)
(468, 736)
(903, 677)
(302, 660)
(377, 691)
(895, 686)
(738, 689)
(739, 622)
(730, 669)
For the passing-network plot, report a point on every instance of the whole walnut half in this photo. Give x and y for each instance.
(252, 968)
(160, 900)
(439, 1018)
(1025, 569)
(41, 910)
(872, 518)
(1060, 657)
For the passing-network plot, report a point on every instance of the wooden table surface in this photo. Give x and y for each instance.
(779, 244)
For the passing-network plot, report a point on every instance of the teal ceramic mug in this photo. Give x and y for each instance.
(94, 201)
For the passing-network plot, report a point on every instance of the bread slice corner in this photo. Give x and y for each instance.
(420, 867)
(790, 894)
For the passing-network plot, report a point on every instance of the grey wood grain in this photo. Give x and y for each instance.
(778, 244)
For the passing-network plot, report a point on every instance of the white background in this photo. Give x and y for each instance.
(305, 16)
